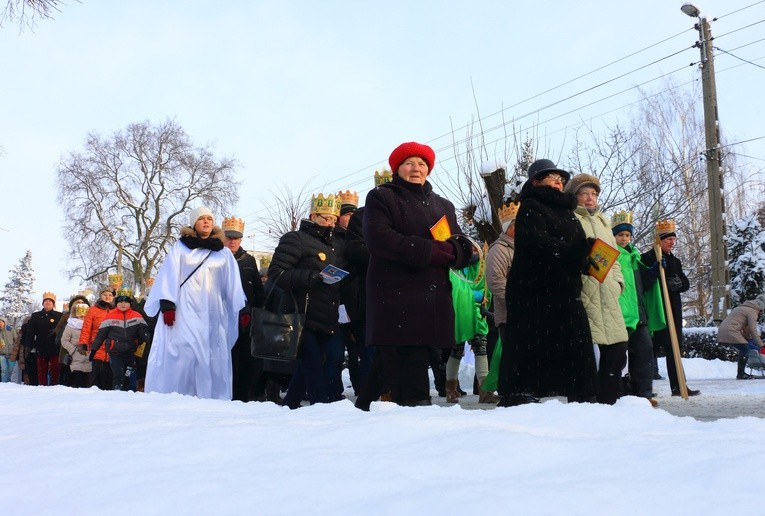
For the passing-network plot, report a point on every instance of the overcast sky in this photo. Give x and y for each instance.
(321, 92)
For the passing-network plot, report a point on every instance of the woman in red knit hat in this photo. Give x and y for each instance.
(409, 305)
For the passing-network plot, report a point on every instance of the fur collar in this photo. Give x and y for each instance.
(190, 239)
(549, 196)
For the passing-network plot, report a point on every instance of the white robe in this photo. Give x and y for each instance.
(194, 355)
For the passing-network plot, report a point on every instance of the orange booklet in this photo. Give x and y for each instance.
(605, 256)
(441, 230)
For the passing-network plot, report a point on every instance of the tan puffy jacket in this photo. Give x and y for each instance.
(601, 300)
(740, 325)
(498, 261)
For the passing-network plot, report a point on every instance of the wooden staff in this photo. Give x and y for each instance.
(671, 324)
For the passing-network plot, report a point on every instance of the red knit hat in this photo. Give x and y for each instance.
(409, 149)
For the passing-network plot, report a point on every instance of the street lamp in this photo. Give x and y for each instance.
(720, 301)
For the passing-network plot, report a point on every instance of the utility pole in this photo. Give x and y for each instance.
(712, 156)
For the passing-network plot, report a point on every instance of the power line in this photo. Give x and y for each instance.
(742, 141)
(739, 10)
(740, 58)
(536, 111)
(740, 28)
(746, 156)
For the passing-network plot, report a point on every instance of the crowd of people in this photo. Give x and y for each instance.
(563, 304)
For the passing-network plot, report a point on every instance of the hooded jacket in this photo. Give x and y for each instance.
(741, 325)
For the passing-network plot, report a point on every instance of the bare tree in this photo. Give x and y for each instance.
(27, 12)
(484, 182)
(127, 196)
(651, 167)
(292, 209)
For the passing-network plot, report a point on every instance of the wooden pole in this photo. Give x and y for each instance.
(671, 324)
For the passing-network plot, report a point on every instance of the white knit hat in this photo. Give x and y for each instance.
(198, 212)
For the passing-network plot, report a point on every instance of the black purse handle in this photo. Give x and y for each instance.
(292, 295)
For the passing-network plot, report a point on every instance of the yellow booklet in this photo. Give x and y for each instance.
(605, 256)
(441, 230)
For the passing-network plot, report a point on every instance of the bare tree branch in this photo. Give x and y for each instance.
(132, 191)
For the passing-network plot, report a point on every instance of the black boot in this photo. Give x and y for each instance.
(741, 375)
(656, 375)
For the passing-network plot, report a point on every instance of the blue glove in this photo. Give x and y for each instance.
(477, 296)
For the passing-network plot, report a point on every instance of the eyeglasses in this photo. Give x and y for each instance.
(555, 178)
(588, 194)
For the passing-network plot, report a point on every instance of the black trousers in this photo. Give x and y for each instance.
(613, 358)
(243, 369)
(661, 340)
(640, 350)
(406, 373)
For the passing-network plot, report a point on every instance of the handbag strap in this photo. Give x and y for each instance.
(196, 268)
(292, 295)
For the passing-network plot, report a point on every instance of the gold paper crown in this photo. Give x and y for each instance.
(124, 292)
(328, 205)
(80, 309)
(233, 224)
(386, 176)
(665, 226)
(115, 280)
(49, 295)
(621, 217)
(508, 212)
(348, 197)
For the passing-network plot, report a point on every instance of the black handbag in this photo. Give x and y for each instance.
(66, 360)
(275, 335)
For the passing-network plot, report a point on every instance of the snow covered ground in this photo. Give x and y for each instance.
(69, 451)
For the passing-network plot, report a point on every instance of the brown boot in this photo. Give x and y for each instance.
(487, 397)
(452, 396)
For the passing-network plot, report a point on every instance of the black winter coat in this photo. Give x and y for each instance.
(680, 284)
(357, 257)
(41, 333)
(121, 333)
(409, 301)
(295, 267)
(251, 284)
(353, 287)
(547, 347)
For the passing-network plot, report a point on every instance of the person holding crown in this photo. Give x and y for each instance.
(199, 293)
(676, 283)
(296, 268)
(409, 302)
(40, 338)
(243, 363)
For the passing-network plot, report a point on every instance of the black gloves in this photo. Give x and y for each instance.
(441, 253)
(315, 279)
(674, 284)
(463, 250)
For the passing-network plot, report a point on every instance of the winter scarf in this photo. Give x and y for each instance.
(75, 323)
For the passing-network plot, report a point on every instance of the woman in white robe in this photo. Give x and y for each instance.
(191, 348)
